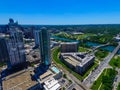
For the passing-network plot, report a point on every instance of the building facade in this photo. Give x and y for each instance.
(15, 46)
(51, 84)
(45, 46)
(36, 37)
(79, 62)
(4, 57)
(69, 47)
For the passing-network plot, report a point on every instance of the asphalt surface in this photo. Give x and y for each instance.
(78, 82)
(96, 73)
(116, 80)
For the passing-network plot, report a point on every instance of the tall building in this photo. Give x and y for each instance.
(15, 47)
(69, 47)
(3, 49)
(36, 37)
(12, 23)
(45, 46)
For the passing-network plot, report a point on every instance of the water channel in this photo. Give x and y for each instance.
(91, 44)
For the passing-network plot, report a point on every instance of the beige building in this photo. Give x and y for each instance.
(79, 62)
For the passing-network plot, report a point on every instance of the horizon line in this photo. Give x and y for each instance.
(67, 24)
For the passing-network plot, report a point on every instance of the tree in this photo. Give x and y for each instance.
(116, 63)
(64, 75)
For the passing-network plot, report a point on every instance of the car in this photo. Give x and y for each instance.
(115, 79)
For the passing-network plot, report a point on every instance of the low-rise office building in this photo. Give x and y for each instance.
(77, 33)
(117, 38)
(79, 62)
(52, 72)
(49, 78)
(51, 84)
(69, 47)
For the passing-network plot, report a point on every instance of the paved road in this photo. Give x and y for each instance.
(0, 84)
(100, 46)
(96, 73)
(116, 80)
(78, 82)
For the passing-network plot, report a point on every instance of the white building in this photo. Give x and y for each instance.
(117, 38)
(51, 84)
(79, 62)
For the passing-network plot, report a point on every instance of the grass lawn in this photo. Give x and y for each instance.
(115, 62)
(55, 54)
(97, 83)
(118, 88)
(92, 68)
(71, 36)
(105, 38)
(105, 80)
(82, 49)
(83, 36)
(100, 54)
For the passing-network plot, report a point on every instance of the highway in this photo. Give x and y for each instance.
(96, 73)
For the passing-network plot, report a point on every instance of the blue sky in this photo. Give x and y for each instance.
(60, 11)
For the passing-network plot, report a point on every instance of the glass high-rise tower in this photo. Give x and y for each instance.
(45, 46)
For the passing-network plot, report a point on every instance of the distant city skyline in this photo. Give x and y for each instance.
(60, 12)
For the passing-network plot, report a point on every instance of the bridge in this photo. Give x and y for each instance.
(96, 73)
(96, 47)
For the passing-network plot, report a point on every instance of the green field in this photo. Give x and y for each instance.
(118, 88)
(105, 80)
(55, 55)
(84, 36)
(115, 62)
(105, 38)
(72, 36)
(100, 54)
(82, 49)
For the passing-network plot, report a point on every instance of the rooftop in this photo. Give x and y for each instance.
(55, 70)
(71, 60)
(46, 76)
(51, 84)
(117, 37)
(19, 81)
(77, 58)
(76, 33)
(50, 73)
(69, 43)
